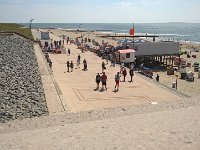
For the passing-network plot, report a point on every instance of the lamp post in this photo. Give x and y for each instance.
(30, 23)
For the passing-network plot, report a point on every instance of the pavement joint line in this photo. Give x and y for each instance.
(82, 98)
(118, 98)
(149, 99)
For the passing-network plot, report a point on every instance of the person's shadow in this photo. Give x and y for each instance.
(96, 89)
(101, 90)
(115, 91)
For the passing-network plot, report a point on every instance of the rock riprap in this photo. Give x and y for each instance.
(21, 91)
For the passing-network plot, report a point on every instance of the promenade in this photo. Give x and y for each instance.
(77, 87)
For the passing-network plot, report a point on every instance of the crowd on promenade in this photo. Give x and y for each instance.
(105, 51)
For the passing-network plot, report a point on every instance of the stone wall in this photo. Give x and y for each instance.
(21, 91)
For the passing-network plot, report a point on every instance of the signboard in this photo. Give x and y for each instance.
(45, 36)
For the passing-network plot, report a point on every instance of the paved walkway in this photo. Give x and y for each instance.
(54, 101)
(77, 87)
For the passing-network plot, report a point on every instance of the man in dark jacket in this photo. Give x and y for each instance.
(131, 74)
(124, 74)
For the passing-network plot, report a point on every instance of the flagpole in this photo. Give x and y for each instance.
(133, 35)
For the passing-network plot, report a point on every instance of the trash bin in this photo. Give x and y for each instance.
(173, 84)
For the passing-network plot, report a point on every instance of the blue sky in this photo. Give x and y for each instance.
(100, 11)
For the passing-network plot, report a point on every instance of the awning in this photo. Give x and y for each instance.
(126, 51)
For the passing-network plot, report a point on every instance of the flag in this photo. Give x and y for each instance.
(131, 32)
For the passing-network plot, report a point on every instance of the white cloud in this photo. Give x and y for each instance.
(125, 3)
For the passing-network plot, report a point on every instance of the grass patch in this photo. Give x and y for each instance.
(13, 27)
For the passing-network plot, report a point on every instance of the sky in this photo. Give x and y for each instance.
(100, 11)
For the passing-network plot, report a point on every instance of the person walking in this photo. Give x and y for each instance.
(98, 80)
(103, 66)
(67, 40)
(85, 65)
(121, 67)
(79, 57)
(107, 59)
(69, 51)
(78, 63)
(157, 78)
(68, 65)
(131, 74)
(117, 79)
(124, 74)
(71, 66)
(132, 66)
(114, 62)
(104, 80)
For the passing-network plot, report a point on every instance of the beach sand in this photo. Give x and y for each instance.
(189, 88)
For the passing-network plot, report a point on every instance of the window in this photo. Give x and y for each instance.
(128, 55)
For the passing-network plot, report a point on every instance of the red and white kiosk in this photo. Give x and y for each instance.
(125, 56)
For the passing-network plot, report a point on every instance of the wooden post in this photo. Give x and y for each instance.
(176, 81)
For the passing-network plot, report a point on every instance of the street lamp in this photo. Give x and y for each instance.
(30, 23)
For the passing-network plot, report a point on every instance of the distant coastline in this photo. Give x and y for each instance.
(175, 30)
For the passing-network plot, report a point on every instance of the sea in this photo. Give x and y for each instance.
(167, 31)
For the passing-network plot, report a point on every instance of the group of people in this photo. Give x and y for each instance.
(70, 65)
(103, 78)
(124, 73)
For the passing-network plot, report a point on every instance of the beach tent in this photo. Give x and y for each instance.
(126, 55)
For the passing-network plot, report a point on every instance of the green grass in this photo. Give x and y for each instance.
(13, 27)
